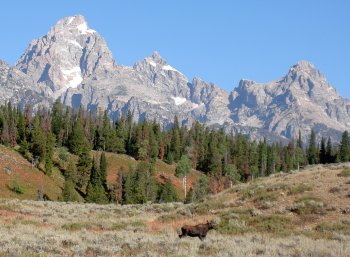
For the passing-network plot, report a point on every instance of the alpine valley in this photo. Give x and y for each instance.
(73, 64)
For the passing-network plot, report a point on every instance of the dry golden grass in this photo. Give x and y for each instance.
(254, 219)
(14, 167)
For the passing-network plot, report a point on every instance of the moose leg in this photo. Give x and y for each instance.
(183, 233)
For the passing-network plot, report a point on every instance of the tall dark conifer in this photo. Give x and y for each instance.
(312, 150)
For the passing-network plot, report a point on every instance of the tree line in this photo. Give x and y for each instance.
(222, 157)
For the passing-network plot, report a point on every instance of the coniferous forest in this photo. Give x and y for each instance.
(223, 158)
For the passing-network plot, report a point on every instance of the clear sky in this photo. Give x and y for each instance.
(220, 41)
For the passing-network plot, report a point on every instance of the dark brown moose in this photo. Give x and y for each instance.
(199, 230)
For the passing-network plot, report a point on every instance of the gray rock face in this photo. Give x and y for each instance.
(18, 88)
(66, 55)
(301, 100)
(72, 63)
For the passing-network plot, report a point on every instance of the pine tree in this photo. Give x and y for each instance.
(323, 154)
(95, 192)
(128, 187)
(329, 151)
(4, 129)
(21, 127)
(312, 150)
(38, 142)
(299, 142)
(83, 168)
(57, 121)
(50, 144)
(69, 194)
(175, 143)
(263, 157)
(344, 149)
(77, 139)
(167, 193)
(103, 170)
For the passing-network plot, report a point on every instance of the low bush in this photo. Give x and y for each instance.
(308, 205)
(276, 224)
(339, 227)
(17, 188)
(299, 189)
(76, 226)
(344, 173)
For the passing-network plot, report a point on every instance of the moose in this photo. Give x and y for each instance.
(199, 230)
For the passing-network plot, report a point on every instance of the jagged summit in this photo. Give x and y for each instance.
(305, 68)
(73, 22)
(157, 58)
(73, 63)
(69, 53)
(304, 65)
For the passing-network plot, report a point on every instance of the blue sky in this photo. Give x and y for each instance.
(220, 41)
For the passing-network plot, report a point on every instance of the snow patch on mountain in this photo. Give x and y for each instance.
(152, 63)
(83, 28)
(168, 67)
(73, 77)
(179, 100)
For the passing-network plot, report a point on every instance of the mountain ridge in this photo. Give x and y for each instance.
(74, 65)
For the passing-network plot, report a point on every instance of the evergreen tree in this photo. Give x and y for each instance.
(263, 157)
(175, 143)
(312, 150)
(77, 139)
(103, 170)
(38, 142)
(57, 120)
(95, 192)
(69, 194)
(323, 154)
(329, 152)
(4, 129)
(83, 168)
(21, 127)
(344, 149)
(299, 142)
(128, 187)
(121, 135)
(50, 144)
(167, 193)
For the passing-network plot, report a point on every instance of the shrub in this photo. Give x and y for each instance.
(207, 205)
(63, 154)
(299, 189)
(308, 205)
(259, 194)
(340, 228)
(271, 224)
(76, 226)
(344, 173)
(16, 187)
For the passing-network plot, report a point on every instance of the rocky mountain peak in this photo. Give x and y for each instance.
(157, 58)
(304, 69)
(246, 83)
(69, 53)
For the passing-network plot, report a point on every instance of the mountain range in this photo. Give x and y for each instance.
(74, 65)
